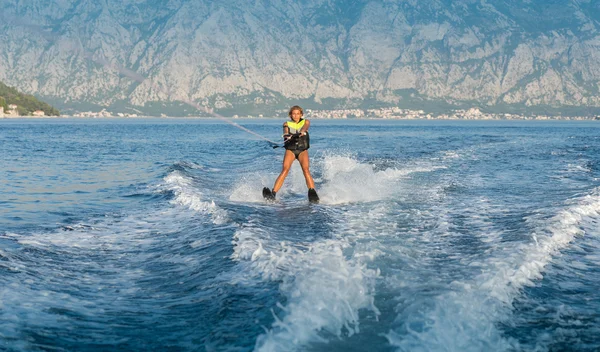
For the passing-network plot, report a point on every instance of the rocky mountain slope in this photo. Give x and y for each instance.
(250, 54)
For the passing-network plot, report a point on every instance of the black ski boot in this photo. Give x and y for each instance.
(268, 195)
(312, 196)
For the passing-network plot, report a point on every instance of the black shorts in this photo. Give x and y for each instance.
(297, 152)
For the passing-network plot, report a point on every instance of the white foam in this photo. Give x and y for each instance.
(346, 180)
(555, 236)
(186, 194)
(451, 155)
(324, 289)
(249, 188)
(465, 318)
(326, 282)
(581, 167)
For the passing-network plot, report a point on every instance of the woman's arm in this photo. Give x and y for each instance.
(286, 129)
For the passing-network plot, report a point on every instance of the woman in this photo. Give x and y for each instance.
(296, 142)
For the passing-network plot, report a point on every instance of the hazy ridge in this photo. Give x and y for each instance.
(260, 55)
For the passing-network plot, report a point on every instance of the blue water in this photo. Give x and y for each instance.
(138, 235)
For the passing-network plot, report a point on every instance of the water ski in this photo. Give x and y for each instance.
(312, 196)
(268, 195)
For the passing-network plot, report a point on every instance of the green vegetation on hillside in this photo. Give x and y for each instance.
(26, 103)
(3, 104)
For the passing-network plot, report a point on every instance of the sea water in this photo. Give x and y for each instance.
(140, 235)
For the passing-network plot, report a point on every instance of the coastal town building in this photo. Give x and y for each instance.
(12, 111)
(103, 113)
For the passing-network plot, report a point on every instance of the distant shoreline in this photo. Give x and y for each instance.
(525, 118)
(383, 113)
(388, 113)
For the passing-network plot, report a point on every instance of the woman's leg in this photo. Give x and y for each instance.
(288, 159)
(305, 164)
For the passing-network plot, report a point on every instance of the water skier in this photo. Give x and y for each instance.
(296, 143)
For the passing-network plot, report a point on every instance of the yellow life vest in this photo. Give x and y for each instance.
(295, 127)
(299, 143)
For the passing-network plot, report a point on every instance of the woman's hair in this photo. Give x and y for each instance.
(295, 107)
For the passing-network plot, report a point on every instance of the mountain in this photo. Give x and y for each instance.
(253, 56)
(26, 104)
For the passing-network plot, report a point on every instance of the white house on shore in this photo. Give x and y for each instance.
(12, 110)
(39, 113)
